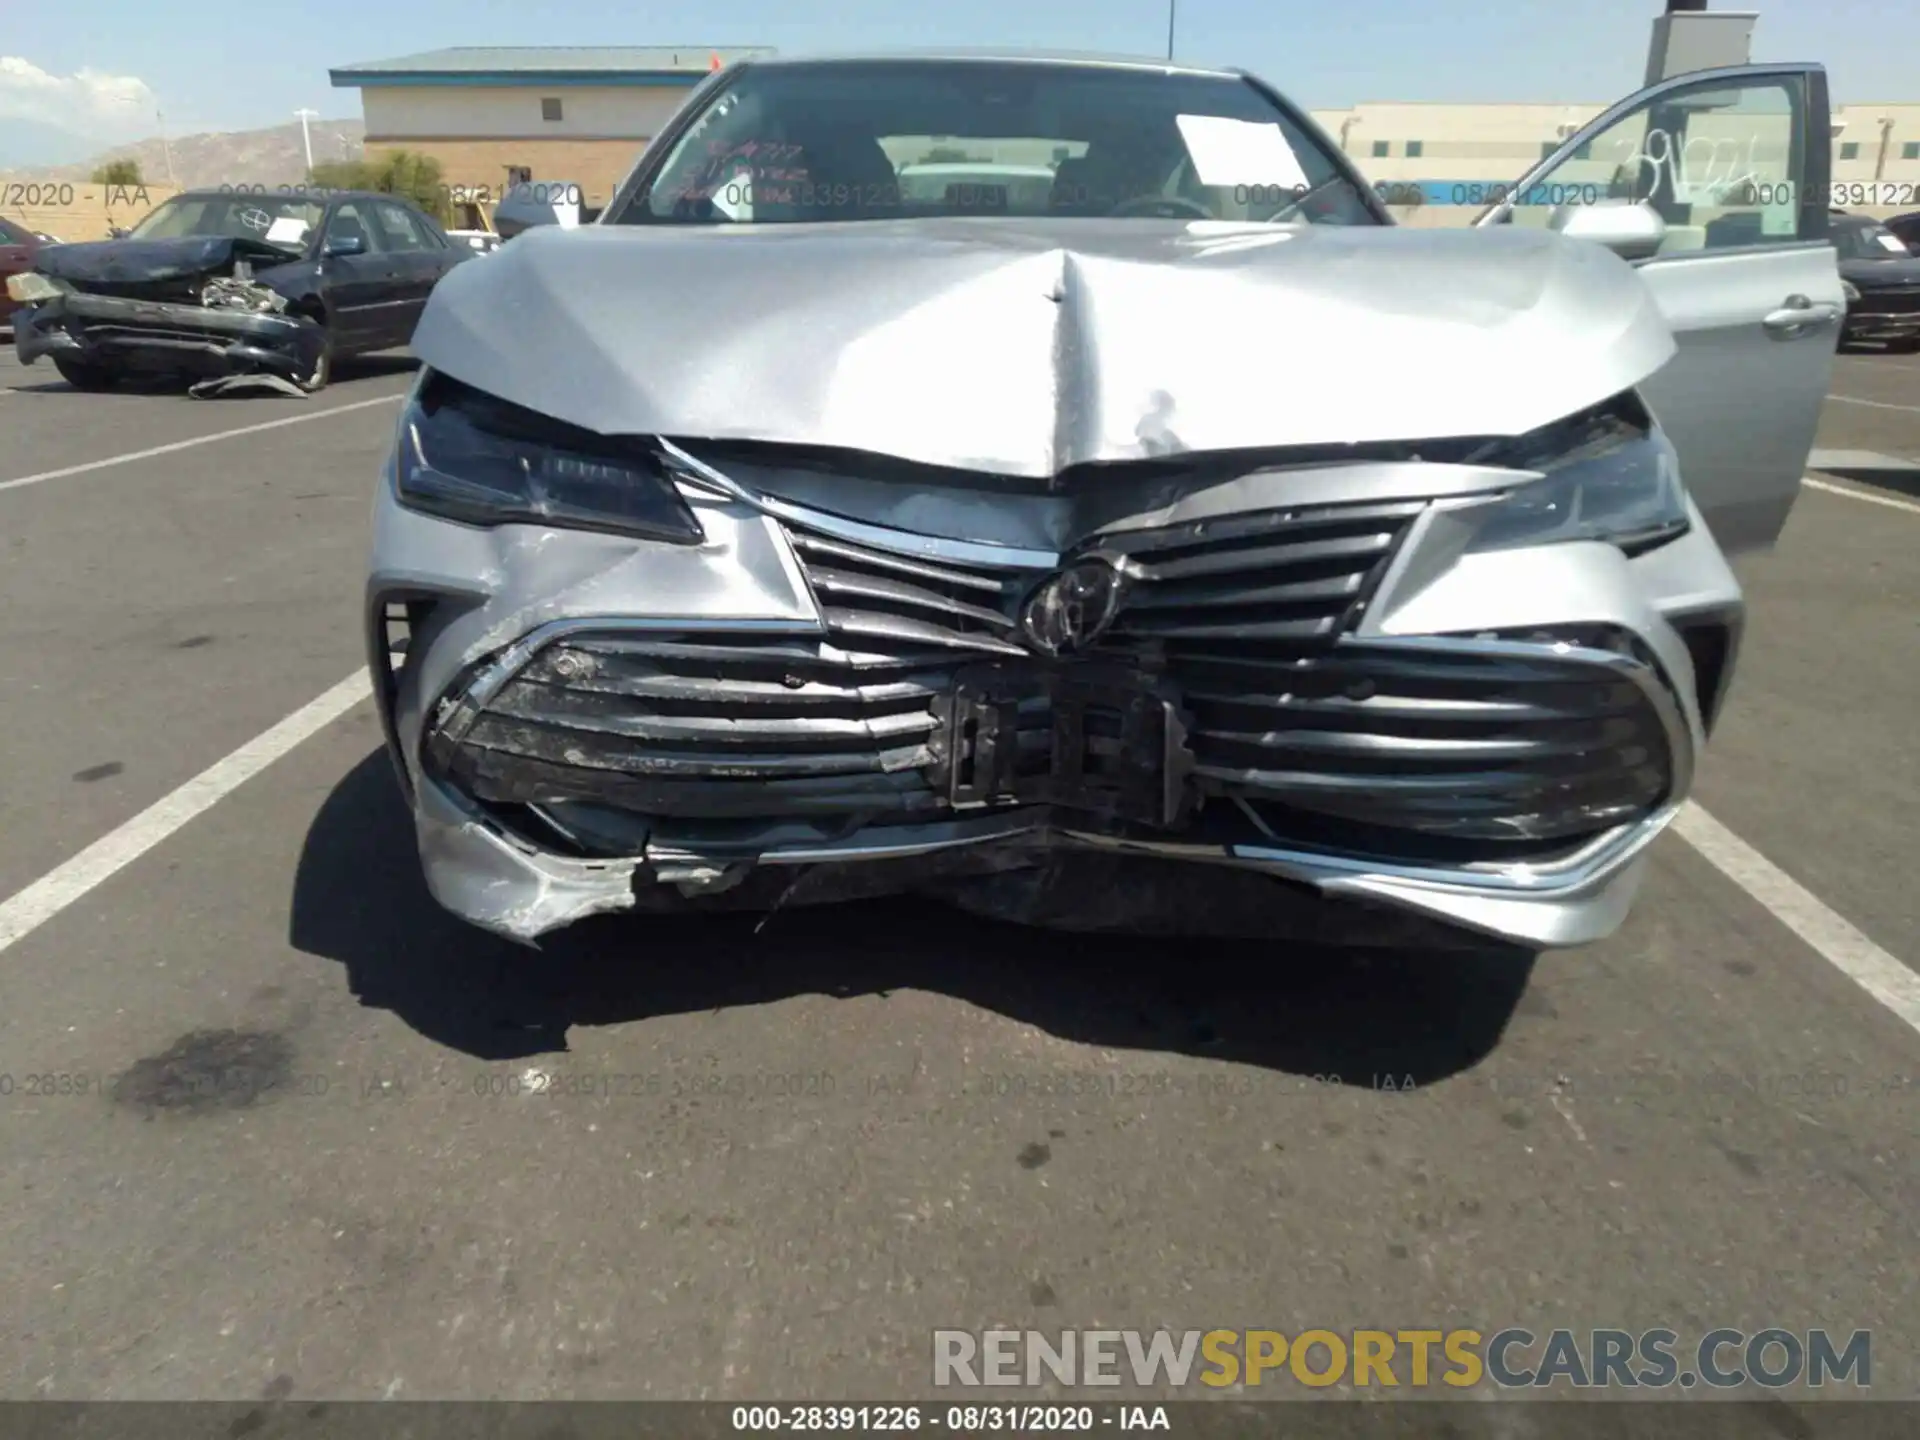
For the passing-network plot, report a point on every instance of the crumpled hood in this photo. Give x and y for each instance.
(1025, 347)
(136, 261)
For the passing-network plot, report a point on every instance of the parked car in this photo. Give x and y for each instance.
(1881, 279)
(1907, 227)
(532, 203)
(473, 227)
(790, 534)
(18, 246)
(215, 283)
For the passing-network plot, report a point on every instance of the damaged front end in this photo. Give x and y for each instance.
(1193, 696)
(208, 317)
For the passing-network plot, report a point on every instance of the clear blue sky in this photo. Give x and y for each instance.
(1323, 55)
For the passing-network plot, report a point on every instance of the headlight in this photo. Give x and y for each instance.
(1850, 290)
(468, 456)
(30, 288)
(1606, 474)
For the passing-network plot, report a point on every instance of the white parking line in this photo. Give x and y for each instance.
(1796, 907)
(1853, 494)
(53, 892)
(1876, 404)
(134, 455)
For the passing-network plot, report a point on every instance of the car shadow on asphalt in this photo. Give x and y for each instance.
(360, 900)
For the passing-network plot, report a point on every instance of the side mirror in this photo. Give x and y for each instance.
(1632, 229)
(345, 245)
(116, 232)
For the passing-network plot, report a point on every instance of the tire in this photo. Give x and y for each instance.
(322, 368)
(82, 376)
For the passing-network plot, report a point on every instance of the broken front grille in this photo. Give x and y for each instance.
(708, 726)
(1463, 744)
(1889, 300)
(866, 591)
(1450, 752)
(1295, 577)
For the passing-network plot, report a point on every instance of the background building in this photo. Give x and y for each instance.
(583, 113)
(492, 114)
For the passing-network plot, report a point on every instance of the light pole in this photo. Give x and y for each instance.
(1171, 5)
(306, 136)
(166, 147)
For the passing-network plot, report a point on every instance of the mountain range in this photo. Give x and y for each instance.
(273, 156)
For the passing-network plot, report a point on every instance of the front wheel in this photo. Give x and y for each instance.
(82, 376)
(322, 367)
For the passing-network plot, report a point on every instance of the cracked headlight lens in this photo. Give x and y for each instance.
(1606, 474)
(30, 288)
(468, 456)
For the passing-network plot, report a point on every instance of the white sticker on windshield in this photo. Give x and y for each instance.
(287, 230)
(1893, 243)
(1240, 152)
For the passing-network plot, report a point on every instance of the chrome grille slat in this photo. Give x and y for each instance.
(562, 710)
(1424, 747)
(1385, 709)
(1315, 627)
(834, 584)
(698, 691)
(881, 560)
(1163, 597)
(872, 624)
(1269, 558)
(1301, 523)
(580, 750)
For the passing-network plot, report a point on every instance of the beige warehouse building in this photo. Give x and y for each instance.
(491, 115)
(584, 114)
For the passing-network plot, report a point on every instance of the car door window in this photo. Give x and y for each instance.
(1720, 162)
(349, 221)
(401, 231)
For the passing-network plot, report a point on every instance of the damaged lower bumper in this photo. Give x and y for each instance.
(116, 333)
(1035, 869)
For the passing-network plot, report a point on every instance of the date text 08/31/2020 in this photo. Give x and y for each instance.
(957, 1419)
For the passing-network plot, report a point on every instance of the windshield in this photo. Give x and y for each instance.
(1871, 242)
(894, 139)
(279, 220)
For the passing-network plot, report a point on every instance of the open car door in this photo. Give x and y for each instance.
(1715, 185)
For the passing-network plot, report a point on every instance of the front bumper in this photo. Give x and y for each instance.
(116, 333)
(586, 723)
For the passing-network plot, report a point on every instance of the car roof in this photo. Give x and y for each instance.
(1087, 60)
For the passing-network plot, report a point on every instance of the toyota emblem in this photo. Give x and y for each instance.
(1072, 608)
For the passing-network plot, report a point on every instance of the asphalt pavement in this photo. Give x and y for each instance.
(273, 1125)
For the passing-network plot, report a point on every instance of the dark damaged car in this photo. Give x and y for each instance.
(215, 285)
(1881, 278)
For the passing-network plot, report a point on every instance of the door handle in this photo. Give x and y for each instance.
(1800, 316)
